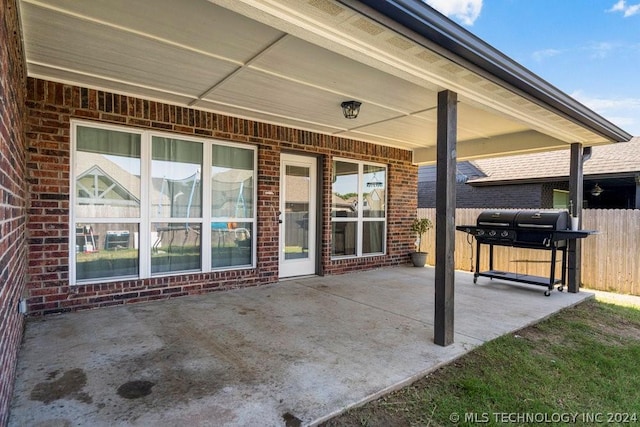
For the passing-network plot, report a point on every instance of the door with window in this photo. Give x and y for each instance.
(297, 215)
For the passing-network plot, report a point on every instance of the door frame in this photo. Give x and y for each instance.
(287, 268)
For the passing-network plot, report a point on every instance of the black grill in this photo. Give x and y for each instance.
(548, 230)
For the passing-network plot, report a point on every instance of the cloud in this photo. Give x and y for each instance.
(618, 7)
(600, 50)
(596, 50)
(467, 11)
(625, 112)
(540, 55)
(632, 10)
(604, 104)
(627, 10)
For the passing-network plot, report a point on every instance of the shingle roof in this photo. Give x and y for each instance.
(465, 171)
(617, 158)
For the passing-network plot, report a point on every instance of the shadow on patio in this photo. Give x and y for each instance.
(288, 354)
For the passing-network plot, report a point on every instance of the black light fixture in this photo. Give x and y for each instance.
(596, 190)
(350, 109)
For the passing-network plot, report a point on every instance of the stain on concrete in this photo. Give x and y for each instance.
(195, 362)
(51, 375)
(68, 386)
(135, 389)
(291, 420)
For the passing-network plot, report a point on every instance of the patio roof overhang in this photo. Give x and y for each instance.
(292, 63)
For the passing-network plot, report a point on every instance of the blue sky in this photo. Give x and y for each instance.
(589, 49)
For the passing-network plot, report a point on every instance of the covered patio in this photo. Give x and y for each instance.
(262, 81)
(292, 353)
(430, 92)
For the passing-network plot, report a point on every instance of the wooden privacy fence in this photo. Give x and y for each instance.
(610, 259)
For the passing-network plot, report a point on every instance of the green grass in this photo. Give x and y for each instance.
(584, 361)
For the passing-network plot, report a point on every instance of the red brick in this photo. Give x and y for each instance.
(13, 231)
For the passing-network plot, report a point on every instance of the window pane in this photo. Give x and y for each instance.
(106, 251)
(343, 236)
(232, 182)
(373, 237)
(374, 191)
(175, 247)
(107, 171)
(344, 190)
(560, 199)
(176, 190)
(231, 244)
(296, 216)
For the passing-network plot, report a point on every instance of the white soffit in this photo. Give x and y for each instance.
(287, 62)
(335, 27)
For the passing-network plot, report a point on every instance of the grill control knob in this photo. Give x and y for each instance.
(505, 233)
(480, 233)
(492, 233)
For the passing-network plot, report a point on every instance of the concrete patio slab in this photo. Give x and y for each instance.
(294, 353)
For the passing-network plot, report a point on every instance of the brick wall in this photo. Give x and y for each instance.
(12, 198)
(51, 106)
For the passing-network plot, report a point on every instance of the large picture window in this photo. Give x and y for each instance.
(144, 204)
(358, 209)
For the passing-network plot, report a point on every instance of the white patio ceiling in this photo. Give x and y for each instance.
(288, 62)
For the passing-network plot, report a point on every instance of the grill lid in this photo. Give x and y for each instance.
(500, 219)
(529, 220)
(556, 220)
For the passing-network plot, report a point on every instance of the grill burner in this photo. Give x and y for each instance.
(524, 229)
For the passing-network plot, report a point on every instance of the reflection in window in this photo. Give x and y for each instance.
(344, 190)
(123, 233)
(176, 183)
(374, 187)
(373, 237)
(106, 250)
(358, 208)
(232, 206)
(176, 178)
(297, 193)
(231, 244)
(107, 171)
(175, 247)
(107, 186)
(344, 236)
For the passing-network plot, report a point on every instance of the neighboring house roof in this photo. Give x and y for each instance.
(88, 161)
(465, 172)
(621, 158)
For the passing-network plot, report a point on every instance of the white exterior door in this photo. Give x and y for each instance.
(298, 178)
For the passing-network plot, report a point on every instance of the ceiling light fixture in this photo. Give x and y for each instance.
(350, 109)
(597, 190)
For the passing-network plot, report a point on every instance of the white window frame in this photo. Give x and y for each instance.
(145, 220)
(361, 219)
